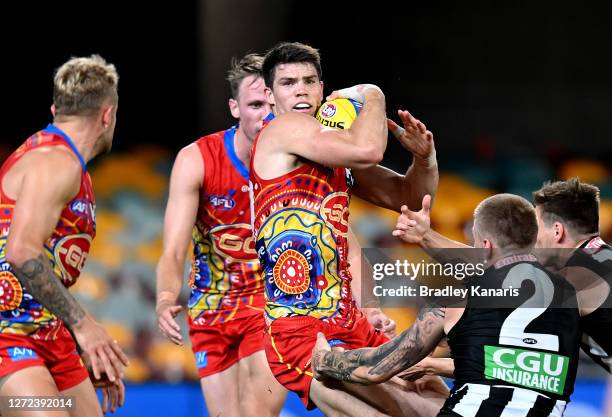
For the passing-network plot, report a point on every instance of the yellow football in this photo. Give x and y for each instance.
(339, 113)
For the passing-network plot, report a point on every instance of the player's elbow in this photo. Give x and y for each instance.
(368, 156)
(17, 254)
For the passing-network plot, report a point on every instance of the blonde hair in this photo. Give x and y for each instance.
(82, 85)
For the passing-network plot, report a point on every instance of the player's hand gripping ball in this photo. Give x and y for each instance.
(339, 113)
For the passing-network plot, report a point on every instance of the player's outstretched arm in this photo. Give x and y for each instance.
(361, 146)
(374, 365)
(53, 179)
(181, 212)
(430, 366)
(386, 188)
(415, 227)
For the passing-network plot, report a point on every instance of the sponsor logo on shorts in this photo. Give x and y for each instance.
(336, 342)
(21, 353)
(201, 359)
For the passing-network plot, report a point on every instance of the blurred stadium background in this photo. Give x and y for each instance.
(515, 95)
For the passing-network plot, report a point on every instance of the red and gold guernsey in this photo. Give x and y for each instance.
(301, 233)
(226, 281)
(67, 248)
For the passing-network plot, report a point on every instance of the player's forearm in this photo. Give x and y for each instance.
(437, 246)
(370, 365)
(169, 278)
(36, 275)
(353, 365)
(421, 178)
(370, 128)
(440, 366)
(434, 240)
(347, 367)
(374, 365)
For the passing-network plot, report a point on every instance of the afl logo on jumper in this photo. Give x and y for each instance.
(79, 207)
(334, 210)
(221, 202)
(82, 208)
(70, 255)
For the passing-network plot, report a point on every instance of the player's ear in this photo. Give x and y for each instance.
(234, 108)
(487, 247)
(53, 110)
(559, 232)
(269, 96)
(107, 116)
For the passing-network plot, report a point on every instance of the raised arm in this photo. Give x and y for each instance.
(181, 212)
(386, 188)
(374, 365)
(302, 136)
(415, 227)
(52, 178)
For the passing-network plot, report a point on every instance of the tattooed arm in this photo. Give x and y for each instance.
(37, 276)
(373, 365)
(42, 183)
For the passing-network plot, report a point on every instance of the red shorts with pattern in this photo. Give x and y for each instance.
(58, 355)
(219, 346)
(289, 342)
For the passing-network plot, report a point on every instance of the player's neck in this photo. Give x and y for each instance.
(243, 146)
(582, 239)
(81, 133)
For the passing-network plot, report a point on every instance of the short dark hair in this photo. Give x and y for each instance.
(571, 202)
(508, 219)
(249, 65)
(289, 53)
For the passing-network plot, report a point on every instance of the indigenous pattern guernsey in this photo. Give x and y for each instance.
(516, 361)
(67, 248)
(301, 226)
(225, 279)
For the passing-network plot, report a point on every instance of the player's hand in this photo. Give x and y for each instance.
(431, 383)
(103, 353)
(415, 137)
(113, 393)
(416, 371)
(380, 321)
(412, 226)
(357, 92)
(166, 313)
(321, 347)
